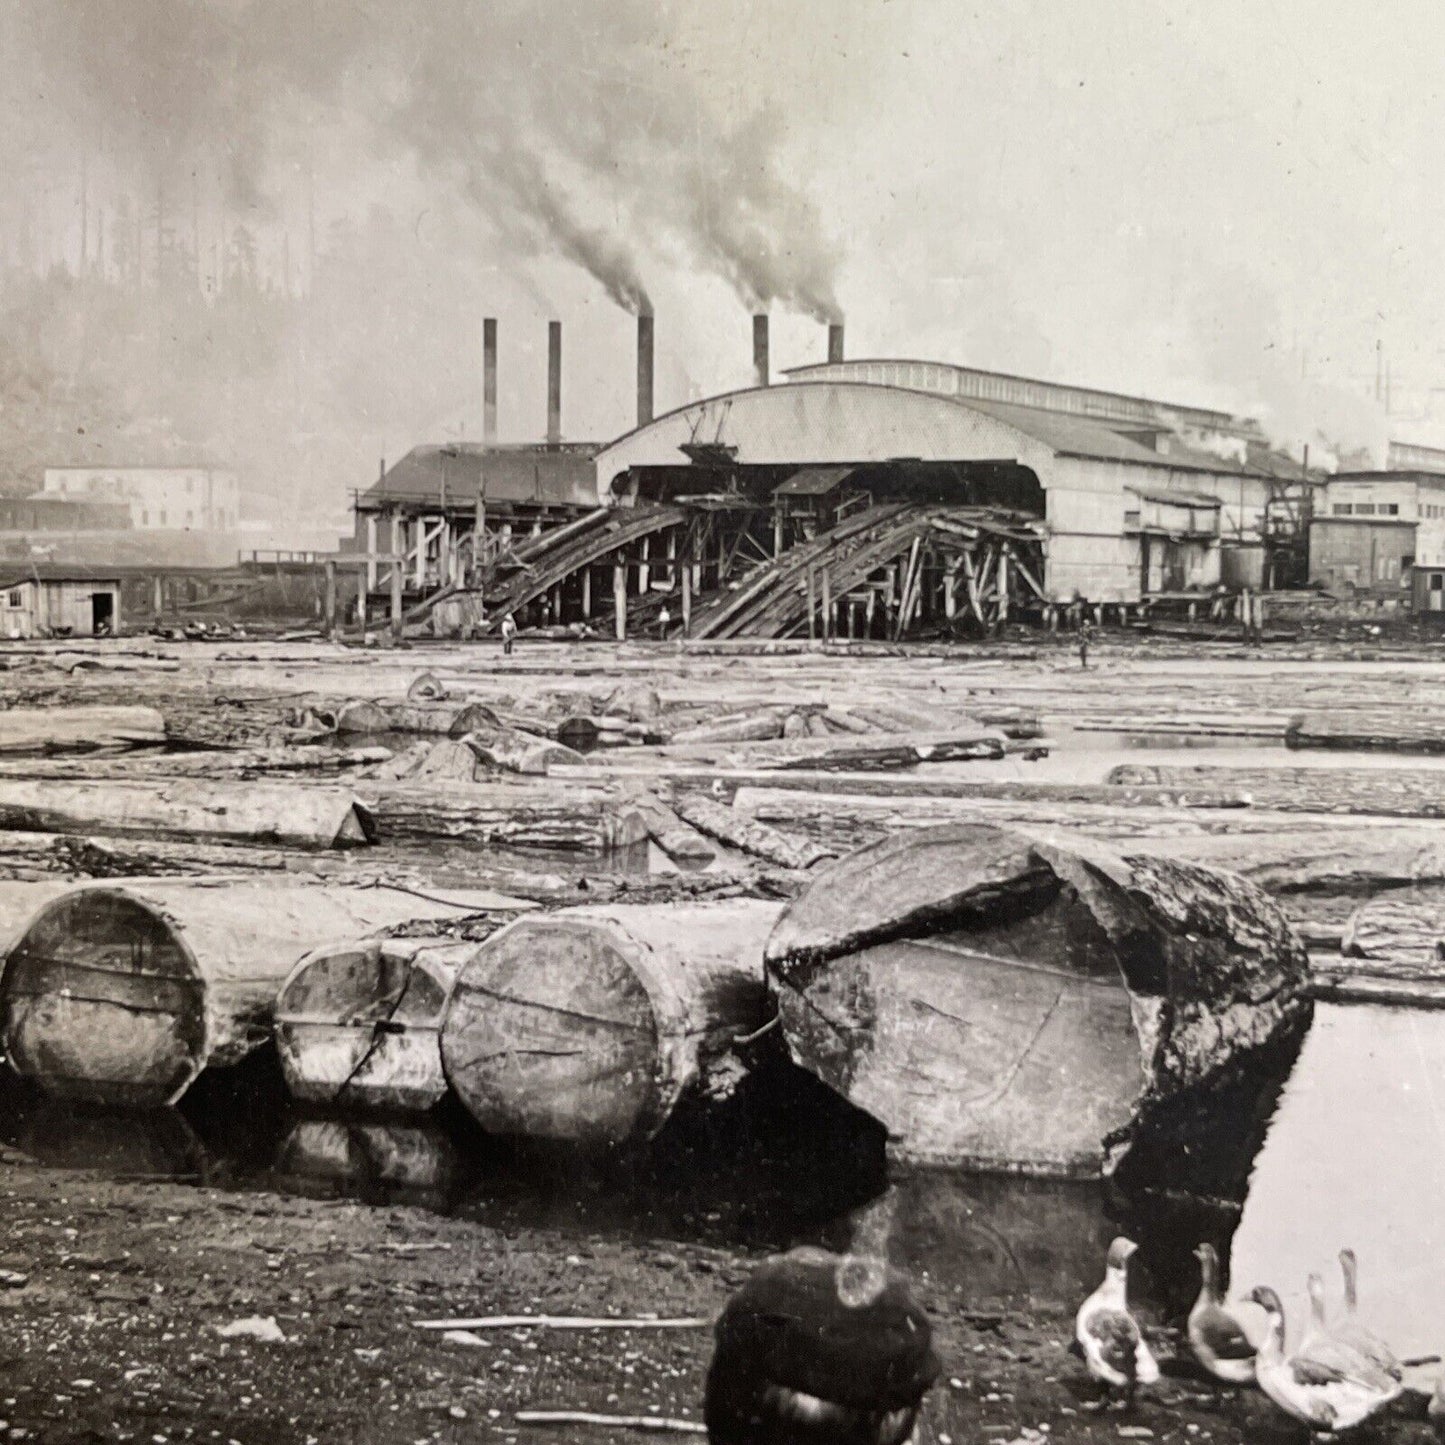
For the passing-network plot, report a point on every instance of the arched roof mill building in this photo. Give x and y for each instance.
(1123, 516)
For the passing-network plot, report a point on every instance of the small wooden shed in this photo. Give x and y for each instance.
(50, 601)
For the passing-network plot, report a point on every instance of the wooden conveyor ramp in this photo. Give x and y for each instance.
(774, 600)
(555, 556)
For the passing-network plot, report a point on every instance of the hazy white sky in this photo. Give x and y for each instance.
(1220, 202)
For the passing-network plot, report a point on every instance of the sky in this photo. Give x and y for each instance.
(1218, 203)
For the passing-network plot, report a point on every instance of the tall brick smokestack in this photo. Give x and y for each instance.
(644, 369)
(760, 349)
(489, 379)
(554, 382)
(835, 341)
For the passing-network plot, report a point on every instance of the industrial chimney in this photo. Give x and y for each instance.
(554, 382)
(760, 349)
(644, 369)
(489, 379)
(835, 341)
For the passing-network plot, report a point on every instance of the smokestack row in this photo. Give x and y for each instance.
(760, 349)
(644, 369)
(835, 341)
(489, 379)
(554, 382)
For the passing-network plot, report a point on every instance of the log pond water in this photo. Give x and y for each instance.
(1366, 1085)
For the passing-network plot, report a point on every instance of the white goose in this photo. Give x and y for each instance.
(1109, 1335)
(1216, 1336)
(1352, 1332)
(1326, 1397)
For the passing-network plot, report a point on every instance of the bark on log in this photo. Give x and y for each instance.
(681, 843)
(510, 751)
(79, 729)
(746, 834)
(905, 785)
(251, 762)
(759, 726)
(1395, 792)
(1357, 860)
(590, 1024)
(996, 999)
(444, 718)
(863, 753)
(358, 1025)
(1401, 938)
(569, 820)
(122, 994)
(1357, 731)
(305, 817)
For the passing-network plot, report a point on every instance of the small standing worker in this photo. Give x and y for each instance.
(509, 631)
(1086, 630)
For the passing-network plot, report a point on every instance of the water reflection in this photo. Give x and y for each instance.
(1356, 1156)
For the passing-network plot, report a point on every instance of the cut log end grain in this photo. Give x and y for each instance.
(102, 1001)
(588, 1025)
(122, 994)
(996, 998)
(359, 1025)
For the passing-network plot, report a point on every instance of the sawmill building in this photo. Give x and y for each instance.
(1131, 507)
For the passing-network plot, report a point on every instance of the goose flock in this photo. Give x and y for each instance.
(825, 1349)
(1339, 1375)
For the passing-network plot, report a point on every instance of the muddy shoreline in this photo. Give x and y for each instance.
(113, 1335)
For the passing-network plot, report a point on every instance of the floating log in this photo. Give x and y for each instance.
(511, 751)
(358, 1025)
(1357, 731)
(852, 753)
(911, 785)
(1337, 859)
(589, 1024)
(445, 718)
(994, 999)
(1395, 792)
(1402, 938)
(122, 994)
(306, 817)
(79, 729)
(747, 834)
(1271, 727)
(681, 843)
(514, 815)
(760, 725)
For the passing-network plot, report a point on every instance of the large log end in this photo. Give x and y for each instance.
(995, 998)
(588, 1025)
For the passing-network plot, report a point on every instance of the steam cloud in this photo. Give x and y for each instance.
(567, 125)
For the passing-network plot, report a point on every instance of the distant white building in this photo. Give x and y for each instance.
(189, 499)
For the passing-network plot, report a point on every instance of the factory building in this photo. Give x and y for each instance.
(199, 498)
(1264, 500)
(438, 497)
(1130, 508)
(1380, 536)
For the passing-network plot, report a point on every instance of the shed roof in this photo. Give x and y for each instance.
(1176, 499)
(559, 475)
(14, 574)
(1079, 436)
(813, 481)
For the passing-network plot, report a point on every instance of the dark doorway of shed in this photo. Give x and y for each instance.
(102, 613)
